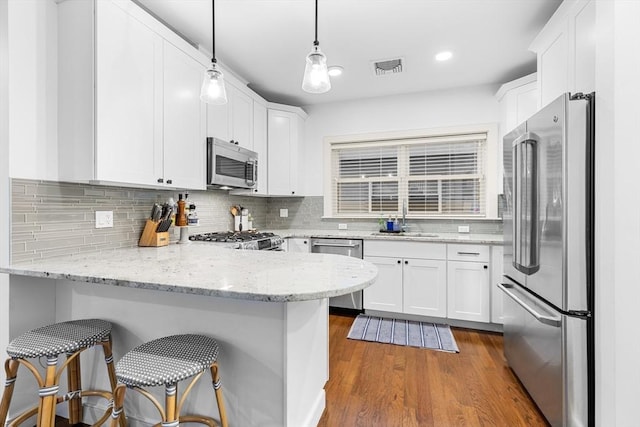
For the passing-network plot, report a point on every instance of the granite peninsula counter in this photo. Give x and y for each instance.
(267, 309)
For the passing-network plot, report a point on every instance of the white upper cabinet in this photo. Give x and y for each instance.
(285, 133)
(233, 121)
(566, 51)
(148, 119)
(184, 120)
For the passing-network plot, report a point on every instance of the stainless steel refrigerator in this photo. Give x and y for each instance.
(548, 258)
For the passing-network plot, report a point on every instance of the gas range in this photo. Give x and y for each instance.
(242, 240)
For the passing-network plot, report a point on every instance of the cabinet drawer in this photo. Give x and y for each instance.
(478, 253)
(405, 249)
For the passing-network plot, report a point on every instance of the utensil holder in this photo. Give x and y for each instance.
(150, 237)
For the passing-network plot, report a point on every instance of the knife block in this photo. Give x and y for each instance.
(150, 237)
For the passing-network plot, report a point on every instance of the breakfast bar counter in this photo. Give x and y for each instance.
(267, 309)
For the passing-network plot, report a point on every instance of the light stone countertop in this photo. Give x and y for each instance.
(204, 269)
(421, 236)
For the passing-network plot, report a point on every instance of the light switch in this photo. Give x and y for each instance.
(284, 213)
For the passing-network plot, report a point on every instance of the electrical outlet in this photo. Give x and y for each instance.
(104, 219)
(463, 229)
(284, 213)
(342, 226)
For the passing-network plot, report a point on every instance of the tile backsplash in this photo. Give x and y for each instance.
(58, 218)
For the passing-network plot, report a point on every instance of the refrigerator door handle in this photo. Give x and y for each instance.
(542, 318)
(525, 205)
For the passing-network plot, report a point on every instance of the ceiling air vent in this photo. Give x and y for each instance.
(388, 66)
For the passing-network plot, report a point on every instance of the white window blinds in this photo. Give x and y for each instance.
(436, 176)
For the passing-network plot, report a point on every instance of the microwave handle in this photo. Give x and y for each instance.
(210, 159)
(254, 176)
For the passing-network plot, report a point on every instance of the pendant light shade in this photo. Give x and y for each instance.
(316, 74)
(213, 90)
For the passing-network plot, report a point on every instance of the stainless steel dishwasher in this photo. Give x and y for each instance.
(348, 247)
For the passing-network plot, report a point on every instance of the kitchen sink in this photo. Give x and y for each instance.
(405, 234)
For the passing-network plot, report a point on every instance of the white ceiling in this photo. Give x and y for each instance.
(266, 41)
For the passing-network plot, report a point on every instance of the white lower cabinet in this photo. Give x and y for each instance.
(386, 293)
(294, 244)
(406, 284)
(425, 287)
(448, 280)
(468, 291)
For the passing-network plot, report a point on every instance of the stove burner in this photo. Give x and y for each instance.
(242, 239)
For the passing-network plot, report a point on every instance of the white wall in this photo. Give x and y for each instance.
(33, 88)
(617, 213)
(4, 177)
(462, 106)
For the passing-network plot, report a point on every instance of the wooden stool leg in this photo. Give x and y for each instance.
(74, 383)
(171, 405)
(48, 395)
(108, 358)
(217, 386)
(117, 412)
(11, 371)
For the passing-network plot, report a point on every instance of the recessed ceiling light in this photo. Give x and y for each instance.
(443, 56)
(335, 70)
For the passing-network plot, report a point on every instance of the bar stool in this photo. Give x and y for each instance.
(167, 361)
(70, 338)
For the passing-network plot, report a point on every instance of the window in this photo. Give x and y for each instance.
(432, 176)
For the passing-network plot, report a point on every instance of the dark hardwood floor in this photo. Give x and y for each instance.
(383, 385)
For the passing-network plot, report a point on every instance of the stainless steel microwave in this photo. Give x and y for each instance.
(230, 166)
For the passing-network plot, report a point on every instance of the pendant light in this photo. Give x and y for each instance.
(316, 75)
(213, 91)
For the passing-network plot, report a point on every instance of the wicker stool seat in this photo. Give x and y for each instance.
(69, 338)
(167, 361)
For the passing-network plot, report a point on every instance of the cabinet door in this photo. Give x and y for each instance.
(386, 293)
(297, 245)
(282, 143)
(425, 287)
(468, 291)
(496, 277)
(241, 117)
(218, 121)
(128, 112)
(184, 120)
(260, 145)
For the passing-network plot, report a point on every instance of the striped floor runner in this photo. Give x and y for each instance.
(403, 332)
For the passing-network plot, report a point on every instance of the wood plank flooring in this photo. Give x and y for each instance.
(383, 385)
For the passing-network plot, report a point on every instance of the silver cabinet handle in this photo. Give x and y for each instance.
(336, 245)
(547, 320)
(469, 253)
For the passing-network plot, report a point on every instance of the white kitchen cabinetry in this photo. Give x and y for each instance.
(406, 283)
(468, 293)
(233, 121)
(285, 132)
(496, 277)
(518, 101)
(566, 51)
(143, 103)
(295, 244)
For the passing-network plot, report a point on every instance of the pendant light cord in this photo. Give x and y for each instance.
(316, 42)
(213, 31)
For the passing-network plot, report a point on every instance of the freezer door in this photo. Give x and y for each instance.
(547, 352)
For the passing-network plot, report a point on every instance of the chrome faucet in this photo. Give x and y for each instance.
(404, 215)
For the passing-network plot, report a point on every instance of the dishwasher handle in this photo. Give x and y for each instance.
(547, 320)
(337, 245)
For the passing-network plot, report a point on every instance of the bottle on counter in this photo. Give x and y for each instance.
(181, 217)
(396, 224)
(192, 216)
(389, 224)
